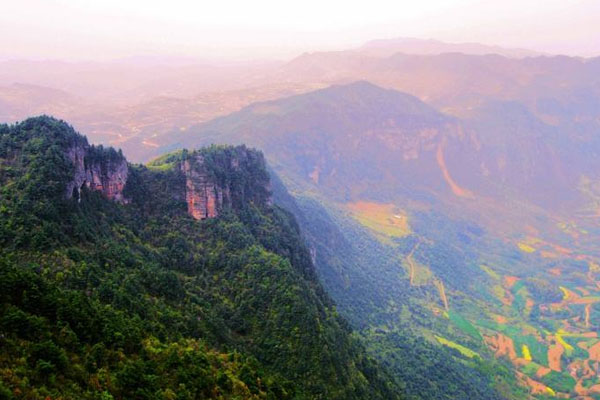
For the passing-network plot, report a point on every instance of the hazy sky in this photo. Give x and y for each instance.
(83, 29)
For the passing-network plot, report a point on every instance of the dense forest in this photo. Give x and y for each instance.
(138, 300)
(388, 314)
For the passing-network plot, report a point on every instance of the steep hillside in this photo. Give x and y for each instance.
(355, 133)
(175, 280)
(422, 224)
(357, 157)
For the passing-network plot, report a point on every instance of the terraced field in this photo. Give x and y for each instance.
(539, 317)
(546, 327)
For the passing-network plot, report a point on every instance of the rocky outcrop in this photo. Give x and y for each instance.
(210, 180)
(99, 170)
(233, 178)
(203, 196)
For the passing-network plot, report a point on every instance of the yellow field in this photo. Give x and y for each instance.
(493, 274)
(525, 247)
(384, 219)
(526, 353)
(465, 351)
(562, 342)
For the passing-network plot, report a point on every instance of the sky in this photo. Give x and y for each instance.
(280, 29)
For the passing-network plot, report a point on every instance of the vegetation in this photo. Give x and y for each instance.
(464, 325)
(373, 292)
(140, 301)
(559, 381)
(465, 351)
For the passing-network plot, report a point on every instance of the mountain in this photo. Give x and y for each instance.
(388, 47)
(132, 105)
(361, 161)
(360, 141)
(458, 232)
(450, 203)
(179, 279)
(355, 133)
(457, 82)
(130, 82)
(18, 101)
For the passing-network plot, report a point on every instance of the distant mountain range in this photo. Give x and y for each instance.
(388, 47)
(129, 104)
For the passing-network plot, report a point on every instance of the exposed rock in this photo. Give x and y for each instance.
(203, 196)
(104, 174)
(242, 180)
(215, 178)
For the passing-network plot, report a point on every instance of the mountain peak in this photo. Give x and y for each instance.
(356, 98)
(365, 89)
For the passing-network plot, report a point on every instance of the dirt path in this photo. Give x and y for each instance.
(583, 290)
(411, 263)
(595, 352)
(542, 371)
(587, 315)
(440, 285)
(587, 373)
(509, 281)
(535, 386)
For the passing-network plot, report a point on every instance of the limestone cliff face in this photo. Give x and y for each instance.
(203, 196)
(210, 180)
(210, 190)
(97, 170)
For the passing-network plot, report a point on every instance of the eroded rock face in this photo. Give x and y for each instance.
(107, 175)
(203, 196)
(213, 179)
(220, 179)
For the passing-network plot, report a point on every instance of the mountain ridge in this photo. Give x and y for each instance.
(409, 45)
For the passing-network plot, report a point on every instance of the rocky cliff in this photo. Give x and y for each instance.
(209, 180)
(221, 178)
(98, 170)
(214, 179)
(203, 196)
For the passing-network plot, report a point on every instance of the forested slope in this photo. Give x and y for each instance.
(114, 290)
